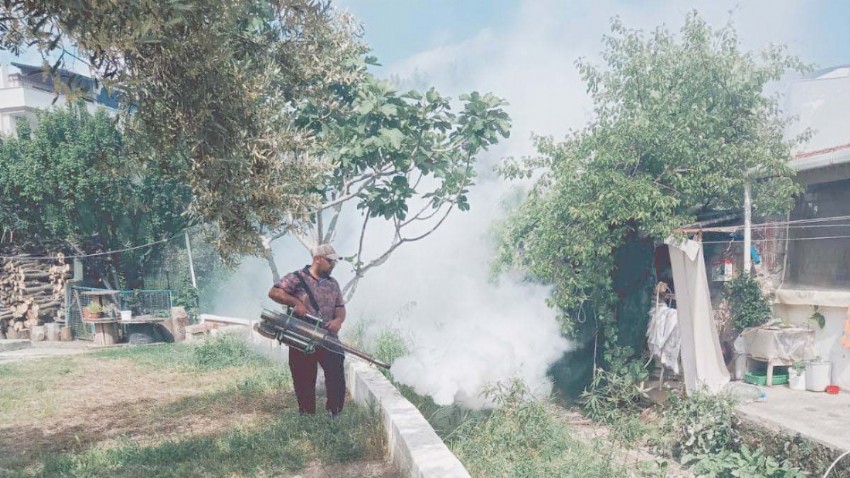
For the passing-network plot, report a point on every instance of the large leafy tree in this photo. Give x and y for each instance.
(402, 158)
(215, 81)
(71, 184)
(681, 123)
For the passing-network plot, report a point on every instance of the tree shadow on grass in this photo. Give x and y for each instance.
(285, 444)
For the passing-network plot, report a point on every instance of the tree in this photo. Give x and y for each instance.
(70, 184)
(214, 81)
(402, 158)
(680, 125)
(270, 107)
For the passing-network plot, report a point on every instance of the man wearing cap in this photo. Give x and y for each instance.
(313, 291)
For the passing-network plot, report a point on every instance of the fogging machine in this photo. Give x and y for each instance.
(305, 334)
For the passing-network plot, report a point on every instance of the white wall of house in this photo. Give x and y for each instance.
(827, 340)
(820, 102)
(22, 99)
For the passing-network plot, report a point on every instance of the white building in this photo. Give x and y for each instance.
(24, 89)
(817, 271)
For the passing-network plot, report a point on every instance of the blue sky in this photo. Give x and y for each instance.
(525, 50)
(399, 28)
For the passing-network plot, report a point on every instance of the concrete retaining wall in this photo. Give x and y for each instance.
(415, 448)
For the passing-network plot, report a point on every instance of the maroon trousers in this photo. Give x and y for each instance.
(304, 369)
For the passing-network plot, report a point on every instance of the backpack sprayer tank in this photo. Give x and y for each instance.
(305, 334)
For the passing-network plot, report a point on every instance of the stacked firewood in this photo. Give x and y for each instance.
(32, 292)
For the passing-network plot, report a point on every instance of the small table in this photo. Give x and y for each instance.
(143, 324)
(781, 346)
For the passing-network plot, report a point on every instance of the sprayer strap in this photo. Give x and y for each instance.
(309, 294)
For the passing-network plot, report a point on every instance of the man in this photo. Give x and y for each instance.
(313, 291)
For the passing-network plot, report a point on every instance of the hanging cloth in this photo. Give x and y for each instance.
(702, 360)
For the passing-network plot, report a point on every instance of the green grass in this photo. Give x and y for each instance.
(214, 354)
(275, 441)
(283, 446)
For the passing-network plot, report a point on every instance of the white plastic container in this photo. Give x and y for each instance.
(818, 375)
(796, 380)
(126, 315)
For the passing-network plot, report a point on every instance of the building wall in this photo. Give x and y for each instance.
(827, 340)
(22, 99)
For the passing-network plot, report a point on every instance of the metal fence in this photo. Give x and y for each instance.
(142, 302)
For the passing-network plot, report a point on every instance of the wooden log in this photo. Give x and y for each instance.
(48, 288)
(52, 332)
(37, 333)
(36, 275)
(66, 335)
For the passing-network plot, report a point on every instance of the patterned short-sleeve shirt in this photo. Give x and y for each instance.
(326, 291)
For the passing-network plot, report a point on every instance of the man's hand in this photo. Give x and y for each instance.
(334, 325)
(300, 309)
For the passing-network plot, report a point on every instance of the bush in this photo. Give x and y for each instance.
(703, 431)
(698, 425)
(752, 463)
(747, 304)
(610, 396)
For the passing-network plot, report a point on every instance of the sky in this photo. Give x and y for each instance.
(399, 29)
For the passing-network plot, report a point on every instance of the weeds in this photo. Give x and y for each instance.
(224, 351)
(704, 432)
(616, 400)
(521, 438)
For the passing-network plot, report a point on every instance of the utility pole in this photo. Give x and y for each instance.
(191, 263)
(748, 223)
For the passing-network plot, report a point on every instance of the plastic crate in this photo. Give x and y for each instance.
(760, 378)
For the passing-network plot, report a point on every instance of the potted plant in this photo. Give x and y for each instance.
(111, 310)
(92, 311)
(797, 376)
(817, 317)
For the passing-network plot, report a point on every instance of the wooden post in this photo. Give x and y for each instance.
(105, 333)
(748, 230)
(67, 334)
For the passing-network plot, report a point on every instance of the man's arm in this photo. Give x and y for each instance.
(339, 318)
(280, 296)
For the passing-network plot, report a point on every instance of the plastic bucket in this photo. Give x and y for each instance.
(126, 314)
(817, 376)
(797, 380)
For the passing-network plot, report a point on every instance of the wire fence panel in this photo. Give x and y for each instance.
(141, 302)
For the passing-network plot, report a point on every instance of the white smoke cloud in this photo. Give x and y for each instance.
(467, 332)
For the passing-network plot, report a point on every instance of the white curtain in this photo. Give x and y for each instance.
(702, 359)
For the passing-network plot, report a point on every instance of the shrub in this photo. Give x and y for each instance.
(699, 425)
(747, 304)
(703, 432)
(611, 395)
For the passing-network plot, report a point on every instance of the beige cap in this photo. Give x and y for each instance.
(325, 250)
